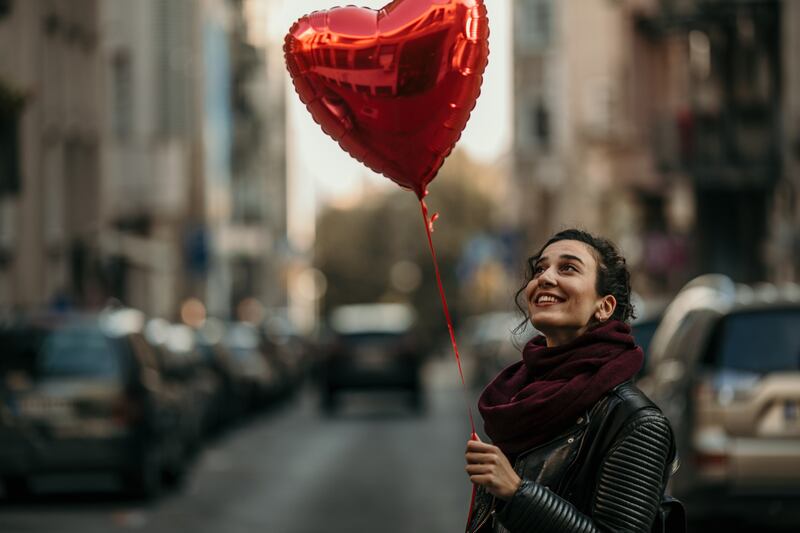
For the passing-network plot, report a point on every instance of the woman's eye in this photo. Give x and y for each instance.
(538, 270)
(569, 267)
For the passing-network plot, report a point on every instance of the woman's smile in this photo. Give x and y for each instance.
(546, 300)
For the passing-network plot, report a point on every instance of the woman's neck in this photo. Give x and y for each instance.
(561, 336)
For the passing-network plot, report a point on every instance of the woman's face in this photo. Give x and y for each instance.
(561, 297)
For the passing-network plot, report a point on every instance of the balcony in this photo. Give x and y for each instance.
(730, 148)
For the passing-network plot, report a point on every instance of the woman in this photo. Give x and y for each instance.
(576, 446)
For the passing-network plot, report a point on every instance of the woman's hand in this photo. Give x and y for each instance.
(488, 466)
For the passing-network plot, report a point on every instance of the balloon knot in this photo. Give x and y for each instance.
(432, 220)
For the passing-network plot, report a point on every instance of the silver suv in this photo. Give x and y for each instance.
(724, 365)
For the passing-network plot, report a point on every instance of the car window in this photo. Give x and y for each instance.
(643, 333)
(79, 352)
(760, 342)
(691, 337)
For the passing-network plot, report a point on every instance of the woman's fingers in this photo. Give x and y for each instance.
(485, 480)
(481, 447)
(479, 469)
(489, 458)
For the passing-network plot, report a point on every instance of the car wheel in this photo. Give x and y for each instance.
(145, 482)
(175, 474)
(16, 487)
(328, 402)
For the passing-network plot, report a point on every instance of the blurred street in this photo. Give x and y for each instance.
(206, 302)
(373, 466)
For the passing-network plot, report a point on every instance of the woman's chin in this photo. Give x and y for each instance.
(545, 322)
(557, 332)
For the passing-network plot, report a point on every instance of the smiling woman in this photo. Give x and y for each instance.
(572, 387)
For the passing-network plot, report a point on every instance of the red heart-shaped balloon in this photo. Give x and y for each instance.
(394, 87)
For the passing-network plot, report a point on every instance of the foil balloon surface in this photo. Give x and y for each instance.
(395, 87)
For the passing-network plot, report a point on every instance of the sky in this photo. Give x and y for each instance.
(338, 178)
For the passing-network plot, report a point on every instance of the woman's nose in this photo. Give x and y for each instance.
(546, 278)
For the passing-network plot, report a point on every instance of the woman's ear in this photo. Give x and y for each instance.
(605, 308)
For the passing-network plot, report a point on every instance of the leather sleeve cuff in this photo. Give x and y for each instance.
(535, 508)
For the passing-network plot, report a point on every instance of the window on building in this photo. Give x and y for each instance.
(122, 86)
(5, 8)
(10, 109)
(534, 24)
(541, 125)
(174, 44)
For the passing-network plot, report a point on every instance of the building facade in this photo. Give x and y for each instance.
(579, 158)
(51, 171)
(736, 130)
(669, 126)
(145, 158)
(153, 142)
(256, 248)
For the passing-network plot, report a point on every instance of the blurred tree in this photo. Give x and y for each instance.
(357, 248)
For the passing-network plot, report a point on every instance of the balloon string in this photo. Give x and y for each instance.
(428, 229)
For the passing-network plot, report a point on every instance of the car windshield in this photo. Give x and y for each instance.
(761, 342)
(79, 352)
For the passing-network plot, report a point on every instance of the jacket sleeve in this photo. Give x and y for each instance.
(626, 497)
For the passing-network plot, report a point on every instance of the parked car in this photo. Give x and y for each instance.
(725, 368)
(234, 400)
(287, 349)
(490, 341)
(257, 374)
(372, 348)
(648, 316)
(194, 385)
(85, 394)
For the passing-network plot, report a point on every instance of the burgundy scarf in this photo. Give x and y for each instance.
(535, 399)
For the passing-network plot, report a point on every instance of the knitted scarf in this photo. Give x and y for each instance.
(533, 400)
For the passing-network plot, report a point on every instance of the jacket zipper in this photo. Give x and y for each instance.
(567, 480)
(562, 436)
(488, 515)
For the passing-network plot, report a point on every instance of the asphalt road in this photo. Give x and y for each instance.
(374, 466)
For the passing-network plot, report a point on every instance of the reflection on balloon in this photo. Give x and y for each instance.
(394, 87)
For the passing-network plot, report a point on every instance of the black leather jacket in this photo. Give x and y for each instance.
(606, 473)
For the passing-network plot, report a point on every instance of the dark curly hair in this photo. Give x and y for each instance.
(612, 272)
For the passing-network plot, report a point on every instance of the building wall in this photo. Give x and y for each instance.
(150, 72)
(255, 236)
(783, 250)
(50, 226)
(668, 132)
(576, 138)
(126, 149)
